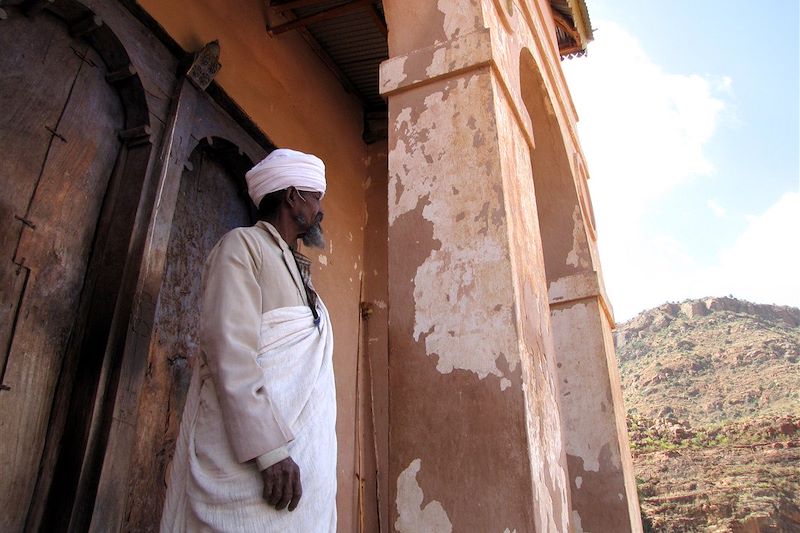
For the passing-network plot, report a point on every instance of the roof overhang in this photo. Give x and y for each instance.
(350, 38)
(573, 28)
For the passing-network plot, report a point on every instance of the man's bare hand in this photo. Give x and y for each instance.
(282, 484)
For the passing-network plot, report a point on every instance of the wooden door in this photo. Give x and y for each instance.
(58, 131)
(212, 200)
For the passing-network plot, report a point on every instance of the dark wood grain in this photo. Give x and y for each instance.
(55, 247)
(37, 69)
(101, 257)
(110, 503)
(196, 117)
(209, 189)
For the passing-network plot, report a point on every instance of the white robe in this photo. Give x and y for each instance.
(209, 490)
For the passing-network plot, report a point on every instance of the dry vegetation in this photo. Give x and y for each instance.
(712, 389)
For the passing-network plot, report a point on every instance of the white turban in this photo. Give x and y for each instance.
(284, 168)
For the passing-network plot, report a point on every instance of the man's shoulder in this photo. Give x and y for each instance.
(245, 234)
(238, 241)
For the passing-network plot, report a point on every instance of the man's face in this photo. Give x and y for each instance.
(309, 217)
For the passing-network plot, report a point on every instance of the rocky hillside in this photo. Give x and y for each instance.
(712, 389)
(711, 360)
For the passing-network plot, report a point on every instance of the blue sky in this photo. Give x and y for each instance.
(690, 123)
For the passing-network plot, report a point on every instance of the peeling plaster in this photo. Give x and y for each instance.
(437, 62)
(574, 287)
(583, 363)
(457, 18)
(545, 438)
(323, 260)
(576, 523)
(577, 256)
(578, 481)
(392, 73)
(464, 286)
(467, 51)
(412, 517)
(505, 383)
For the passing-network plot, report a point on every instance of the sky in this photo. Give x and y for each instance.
(689, 118)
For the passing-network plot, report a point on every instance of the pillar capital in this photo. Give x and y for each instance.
(469, 52)
(569, 289)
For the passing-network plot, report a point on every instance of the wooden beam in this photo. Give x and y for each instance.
(86, 26)
(294, 4)
(338, 11)
(568, 28)
(570, 50)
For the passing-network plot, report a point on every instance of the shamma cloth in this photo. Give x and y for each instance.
(209, 490)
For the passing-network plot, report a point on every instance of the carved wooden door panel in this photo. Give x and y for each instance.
(211, 200)
(58, 130)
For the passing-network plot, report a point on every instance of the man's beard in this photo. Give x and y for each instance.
(314, 237)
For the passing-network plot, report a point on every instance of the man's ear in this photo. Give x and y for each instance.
(290, 196)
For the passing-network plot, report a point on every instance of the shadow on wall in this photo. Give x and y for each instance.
(564, 241)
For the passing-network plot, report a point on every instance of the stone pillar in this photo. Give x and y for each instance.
(603, 488)
(505, 405)
(602, 482)
(475, 433)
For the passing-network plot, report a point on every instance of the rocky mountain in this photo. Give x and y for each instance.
(711, 360)
(712, 389)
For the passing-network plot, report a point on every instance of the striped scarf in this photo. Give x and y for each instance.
(304, 267)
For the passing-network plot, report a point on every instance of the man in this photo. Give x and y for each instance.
(258, 430)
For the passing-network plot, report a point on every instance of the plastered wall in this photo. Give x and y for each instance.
(488, 203)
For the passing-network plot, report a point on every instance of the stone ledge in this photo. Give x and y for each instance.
(472, 51)
(585, 285)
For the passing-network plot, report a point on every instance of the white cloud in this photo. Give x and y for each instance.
(725, 84)
(643, 270)
(644, 132)
(763, 264)
(642, 129)
(716, 208)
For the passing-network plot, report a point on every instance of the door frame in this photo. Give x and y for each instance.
(86, 462)
(196, 119)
